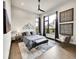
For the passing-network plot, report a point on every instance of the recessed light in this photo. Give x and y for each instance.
(22, 3)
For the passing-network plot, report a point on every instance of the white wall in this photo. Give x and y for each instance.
(62, 7)
(6, 45)
(7, 36)
(21, 17)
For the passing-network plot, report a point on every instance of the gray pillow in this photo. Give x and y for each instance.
(67, 39)
(32, 33)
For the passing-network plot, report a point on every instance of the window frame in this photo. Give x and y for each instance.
(48, 30)
(37, 27)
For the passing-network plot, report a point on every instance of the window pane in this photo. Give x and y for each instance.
(46, 23)
(52, 19)
(46, 26)
(37, 20)
(37, 25)
(46, 18)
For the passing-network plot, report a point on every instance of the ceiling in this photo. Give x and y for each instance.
(32, 5)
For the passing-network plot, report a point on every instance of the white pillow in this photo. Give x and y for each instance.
(62, 38)
(28, 34)
(72, 38)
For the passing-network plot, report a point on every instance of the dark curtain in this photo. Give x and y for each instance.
(56, 24)
(39, 25)
(4, 21)
(4, 18)
(44, 26)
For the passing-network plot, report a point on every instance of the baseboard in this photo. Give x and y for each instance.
(58, 41)
(13, 41)
(64, 42)
(50, 38)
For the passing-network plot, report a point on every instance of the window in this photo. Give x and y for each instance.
(50, 23)
(52, 19)
(37, 25)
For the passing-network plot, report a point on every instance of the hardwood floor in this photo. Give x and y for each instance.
(15, 51)
(60, 51)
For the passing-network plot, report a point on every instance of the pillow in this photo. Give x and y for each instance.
(62, 38)
(28, 34)
(72, 38)
(67, 39)
(32, 33)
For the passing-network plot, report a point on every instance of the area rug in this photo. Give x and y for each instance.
(35, 52)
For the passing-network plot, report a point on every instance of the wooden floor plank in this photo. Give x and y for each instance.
(15, 51)
(60, 51)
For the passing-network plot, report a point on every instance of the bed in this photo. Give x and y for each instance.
(30, 38)
(31, 41)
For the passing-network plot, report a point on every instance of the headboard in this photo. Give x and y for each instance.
(28, 27)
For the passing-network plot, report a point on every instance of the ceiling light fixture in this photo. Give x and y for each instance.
(39, 9)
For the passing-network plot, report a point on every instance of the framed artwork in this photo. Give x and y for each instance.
(67, 15)
(6, 23)
(66, 29)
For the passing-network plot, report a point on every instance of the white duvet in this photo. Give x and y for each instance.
(34, 37)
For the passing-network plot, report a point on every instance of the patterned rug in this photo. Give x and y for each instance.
(35, 52)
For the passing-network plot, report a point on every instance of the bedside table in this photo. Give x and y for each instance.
(18, 38)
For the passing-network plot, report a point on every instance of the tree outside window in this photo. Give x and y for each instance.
(50, 23)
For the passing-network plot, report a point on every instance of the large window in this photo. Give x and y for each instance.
(50, 26)
(50, 23)
(37, 25)
(52, 19)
